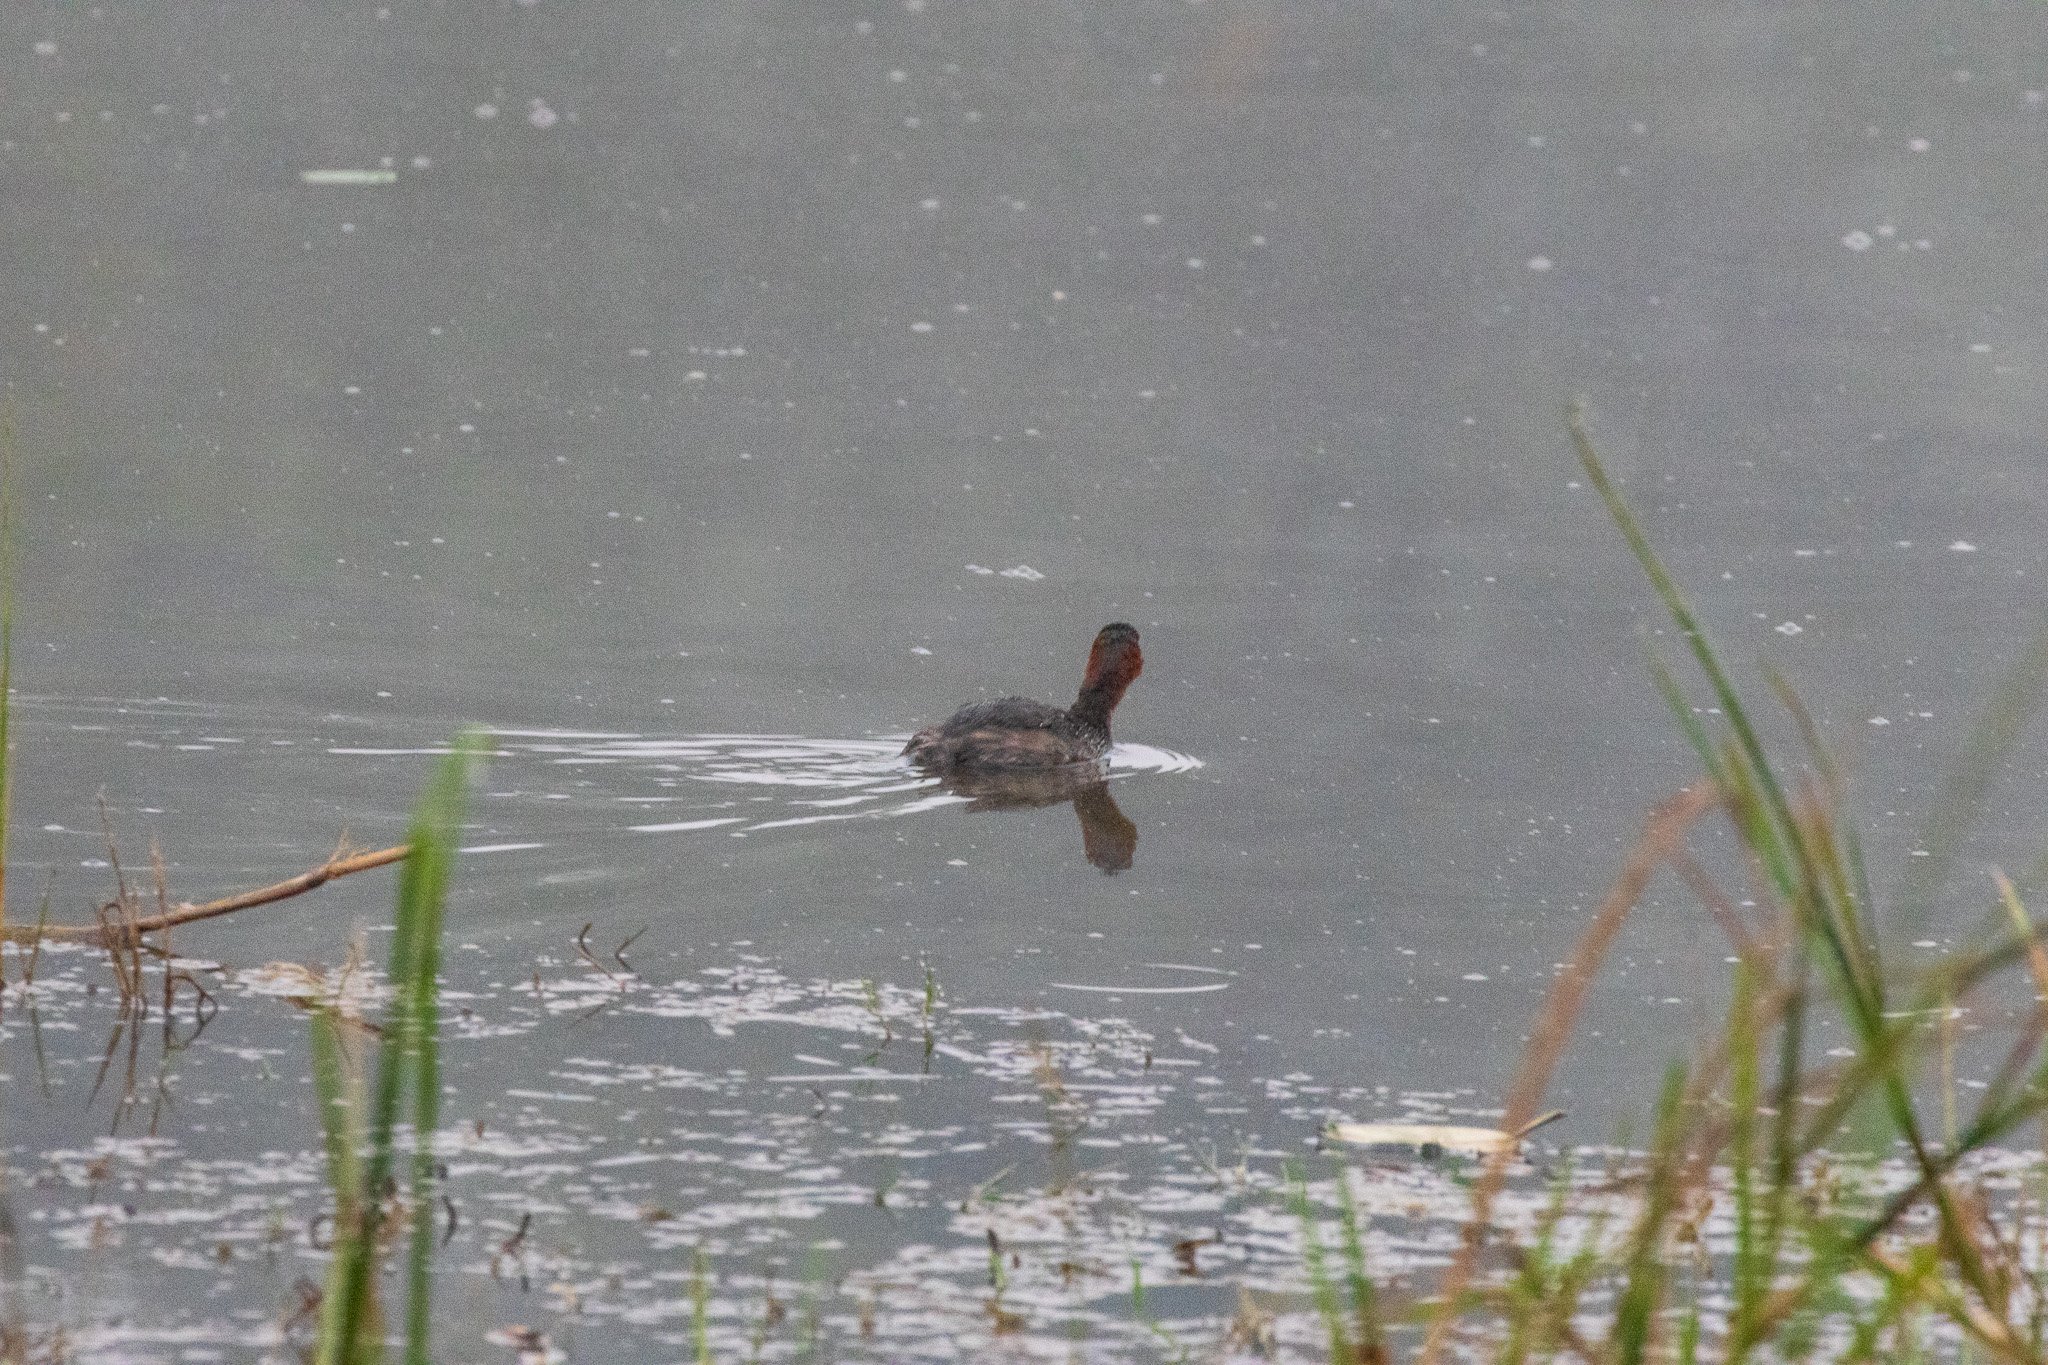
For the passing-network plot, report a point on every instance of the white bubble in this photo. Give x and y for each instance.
(1857, 240)
(1539, 264)
(539, 115)
(486, 111)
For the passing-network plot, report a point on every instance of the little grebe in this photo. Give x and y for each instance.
(1018, 733)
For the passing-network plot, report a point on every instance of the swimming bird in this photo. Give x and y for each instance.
(1016, 733)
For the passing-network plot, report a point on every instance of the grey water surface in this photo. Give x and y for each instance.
(705, 396)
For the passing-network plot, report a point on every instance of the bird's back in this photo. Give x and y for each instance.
(1014, 732)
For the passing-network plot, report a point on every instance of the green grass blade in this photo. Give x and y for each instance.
(1647, 1274)
(1750, 1273)
(407, 1060)
(331, 1092)
(1682, 615)
(1801, 861)
(1324, 1292)
(2013, 703)
(1365, 1314)
(700, 1309)
(422, 890)
(340, 1115)
(6, 638)
(1838, 788)
(1681, 710)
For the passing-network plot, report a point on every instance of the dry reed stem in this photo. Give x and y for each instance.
(1662, 835)
(185, 912)
(2037, 965)
(1998, 1337)
(2037, 954)
(163, 908)
(1755, 952)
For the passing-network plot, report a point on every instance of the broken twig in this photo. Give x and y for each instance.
(185, 912)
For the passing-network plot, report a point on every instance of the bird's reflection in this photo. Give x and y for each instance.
(1108, 837)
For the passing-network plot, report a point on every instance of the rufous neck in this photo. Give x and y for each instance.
(1112, 665)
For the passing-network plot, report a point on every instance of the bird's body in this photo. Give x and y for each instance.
(1017, 733)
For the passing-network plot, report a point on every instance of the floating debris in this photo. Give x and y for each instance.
(347, 176)
(1450, 1137)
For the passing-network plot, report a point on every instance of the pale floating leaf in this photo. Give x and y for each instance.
(348, 176)
(1449, 1136)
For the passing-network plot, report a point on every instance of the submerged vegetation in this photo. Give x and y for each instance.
(1816, 1181)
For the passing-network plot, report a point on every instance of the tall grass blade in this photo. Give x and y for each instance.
(1814, 863)
(2013, 703)
(408, 1062)
(1837, 787)
(1796, 847)
(339, 1114)
(1365, 1313)
(1681, 710)
(700, 1309)
(6, 640)
(1751, 1272)
(1681, 613)
(340, 1121)
(1647, 1273)
(1320, 1286)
